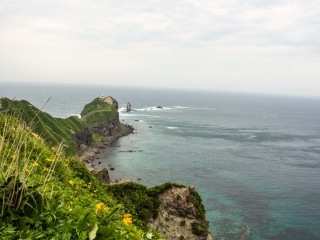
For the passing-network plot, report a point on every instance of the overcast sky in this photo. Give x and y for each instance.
(270, 46)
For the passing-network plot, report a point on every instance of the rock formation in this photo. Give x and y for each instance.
(181, 215)
(103, 176)
(128, 107)
(107, 128)
(84, 137)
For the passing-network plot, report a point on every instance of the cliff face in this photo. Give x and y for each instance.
(83, 137)
(101, 117)
(180, 215)
(108, 128)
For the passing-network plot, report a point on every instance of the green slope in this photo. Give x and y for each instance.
(55, 130)
(99, 111)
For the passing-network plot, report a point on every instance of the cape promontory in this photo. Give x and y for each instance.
(66, 150)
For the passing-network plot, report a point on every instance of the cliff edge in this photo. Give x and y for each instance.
(181, 215)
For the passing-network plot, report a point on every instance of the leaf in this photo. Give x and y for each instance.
(93, 233)
(26, 220)
(14, 214)
(106, 231)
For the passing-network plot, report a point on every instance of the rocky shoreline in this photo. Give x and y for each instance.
(92, 153)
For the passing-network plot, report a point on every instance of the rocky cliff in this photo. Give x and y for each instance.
(181, 215)
(109, 127)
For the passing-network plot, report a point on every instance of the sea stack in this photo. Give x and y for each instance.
(128, 107)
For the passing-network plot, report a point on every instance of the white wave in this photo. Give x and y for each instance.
(156, 108)
(179, 107)
(172, 127)
(123, 109)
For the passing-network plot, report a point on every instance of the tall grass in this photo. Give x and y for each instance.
(17, 162)
(44, 195)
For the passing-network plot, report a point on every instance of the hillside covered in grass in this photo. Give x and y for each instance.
(44, 195)
(46, 192)
(56, 130)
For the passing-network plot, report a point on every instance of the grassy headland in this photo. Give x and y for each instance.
(46, 192)
(56, 130)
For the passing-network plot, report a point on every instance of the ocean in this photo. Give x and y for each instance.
(253, 158)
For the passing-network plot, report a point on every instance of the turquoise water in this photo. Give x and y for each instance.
(254, 159)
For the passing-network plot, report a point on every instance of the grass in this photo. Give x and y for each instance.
(45, 195)
(52, 130)
(95, 139)
(55, 130)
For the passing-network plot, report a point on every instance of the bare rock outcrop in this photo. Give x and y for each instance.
(108, 128)
(103, 176)
(181, 215)
(83, 138)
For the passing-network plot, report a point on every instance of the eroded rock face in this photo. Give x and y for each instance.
(103, 176)
(179, 217)
(108, 128)
(83, 138)
(108, 100)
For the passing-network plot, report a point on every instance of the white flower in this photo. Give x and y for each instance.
(149, 235)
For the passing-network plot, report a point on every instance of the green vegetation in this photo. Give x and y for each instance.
(98, 111)
(55, 130)
(196, 199)
(199, 229)
(95, 139)
(44, 195)
(47, 193)
(52, 130)
(141, 201)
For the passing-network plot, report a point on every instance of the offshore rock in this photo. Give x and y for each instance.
(179, 216)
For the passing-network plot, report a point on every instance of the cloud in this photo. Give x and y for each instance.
(186, 43)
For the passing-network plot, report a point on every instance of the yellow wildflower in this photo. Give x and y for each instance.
(101, 207)
(12, 156)
(127, 220)
(95, 190)
(70, 182)
(45, 169)
(27, 170)
(53, 148)
(48, 159)
(85, 185)
(127, 215)
(89, 186)
(66, 164)
(36, 164)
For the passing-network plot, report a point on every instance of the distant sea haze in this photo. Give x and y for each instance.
(254, 159)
